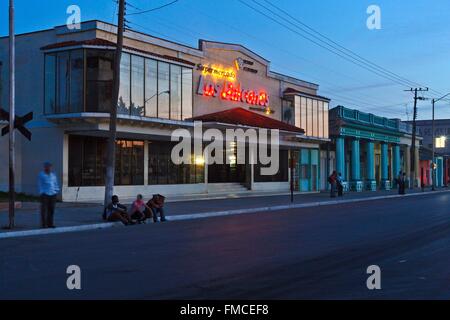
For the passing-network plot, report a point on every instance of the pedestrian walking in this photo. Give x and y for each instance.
(332, 180)
(398, 182)
(403, 184)
(48, 189)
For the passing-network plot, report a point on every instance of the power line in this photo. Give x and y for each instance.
(153, 9)
(323, 44)
(342, 47)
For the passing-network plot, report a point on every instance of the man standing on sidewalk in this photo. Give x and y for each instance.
(48, 189)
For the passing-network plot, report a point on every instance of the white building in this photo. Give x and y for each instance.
(65, 78)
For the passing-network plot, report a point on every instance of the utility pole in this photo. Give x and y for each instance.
(111, 155)
(12, 107)
(412, 177)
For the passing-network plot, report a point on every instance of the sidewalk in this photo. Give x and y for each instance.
(77, 214)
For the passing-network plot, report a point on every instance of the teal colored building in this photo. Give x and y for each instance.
(371, 150)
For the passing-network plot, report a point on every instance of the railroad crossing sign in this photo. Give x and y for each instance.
(19, 123)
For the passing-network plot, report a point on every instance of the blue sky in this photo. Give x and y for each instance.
(414, 41)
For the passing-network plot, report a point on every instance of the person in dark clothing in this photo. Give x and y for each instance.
(115, 211)
(156, 205)
(340, 185)
(332, 180)
(403, 184)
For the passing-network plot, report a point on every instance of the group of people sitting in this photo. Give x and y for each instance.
(139, 213)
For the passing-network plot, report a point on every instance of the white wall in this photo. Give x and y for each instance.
(96, 194)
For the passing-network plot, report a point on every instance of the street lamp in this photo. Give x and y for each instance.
(434, 142)
(157, 94)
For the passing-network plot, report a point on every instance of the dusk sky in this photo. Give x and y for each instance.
(414, 41)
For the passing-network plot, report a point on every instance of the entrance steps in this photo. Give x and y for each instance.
(226, 188)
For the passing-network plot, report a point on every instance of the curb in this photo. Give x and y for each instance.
(41, 232)
(294, 206)
(196, 216)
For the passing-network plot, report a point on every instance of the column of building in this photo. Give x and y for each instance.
(356, 183)
(371, 183)
(385, 183)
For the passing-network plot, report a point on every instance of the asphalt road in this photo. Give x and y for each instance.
(297, 254)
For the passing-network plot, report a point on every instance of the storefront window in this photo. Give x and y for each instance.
(281, 176)
(137, 85)
(87, 162)
(162, 171)
(129, 163)
(99, 80)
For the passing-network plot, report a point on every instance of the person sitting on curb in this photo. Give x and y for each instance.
(156, 205)
(115, 212)
(138, 209)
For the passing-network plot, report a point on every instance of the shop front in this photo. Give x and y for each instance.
(164, 88)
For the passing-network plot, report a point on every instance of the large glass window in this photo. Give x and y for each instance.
(288, 112)
(63, 82)
(326, 132)
(137, 85)
(50, 83)
(86, 161)
(87, 157)
(320, 119)
(175, 92)
(129, 163)
(281, 176)
(125, 85)
(315, 117)
(151, 88)
(163, 90)
(303, 113)
(147, 87)
(162, 171)
(76, 80)
(187, 93)
(99, 80)
(309, 117)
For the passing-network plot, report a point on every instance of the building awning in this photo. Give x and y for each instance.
(246, 118)
(105, 43)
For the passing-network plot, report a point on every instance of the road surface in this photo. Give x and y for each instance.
(295, 254)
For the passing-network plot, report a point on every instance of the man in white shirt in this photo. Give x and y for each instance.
(48, 189)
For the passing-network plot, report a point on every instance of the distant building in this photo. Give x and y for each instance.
(442, 148)
(371, 150)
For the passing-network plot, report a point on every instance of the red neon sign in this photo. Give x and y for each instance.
(233, 92)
